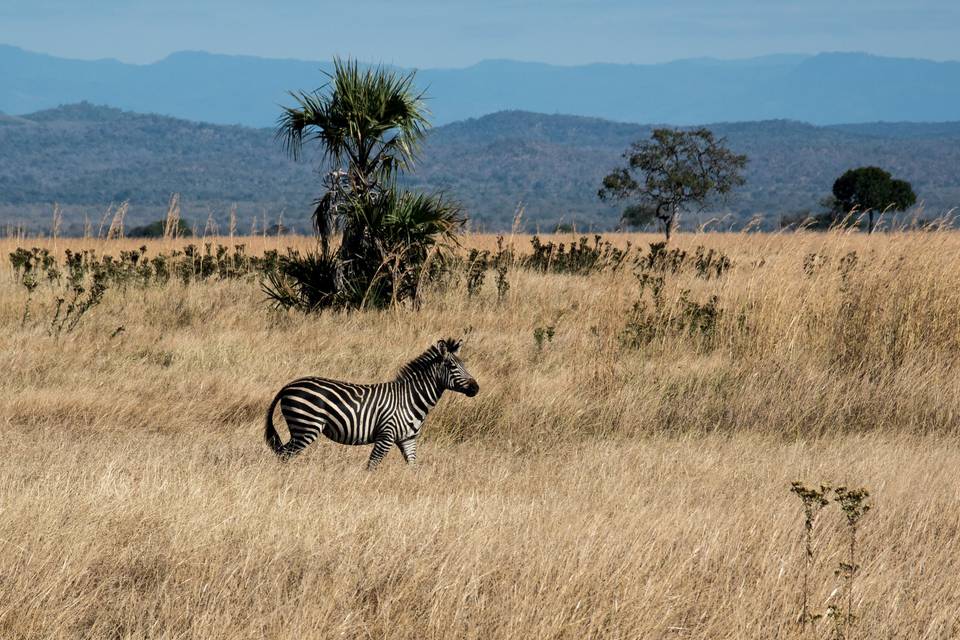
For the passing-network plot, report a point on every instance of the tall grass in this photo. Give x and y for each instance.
(596, 487)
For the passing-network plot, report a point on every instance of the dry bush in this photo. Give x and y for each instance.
(594, 488)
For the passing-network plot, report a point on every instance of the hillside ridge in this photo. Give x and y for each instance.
(86, 156)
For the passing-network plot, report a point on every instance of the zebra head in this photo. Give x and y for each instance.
(454, 374)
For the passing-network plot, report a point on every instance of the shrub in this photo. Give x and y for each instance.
(580, 258)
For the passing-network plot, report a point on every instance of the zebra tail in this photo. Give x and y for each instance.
(270, 435)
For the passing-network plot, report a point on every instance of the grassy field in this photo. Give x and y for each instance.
(600, 485)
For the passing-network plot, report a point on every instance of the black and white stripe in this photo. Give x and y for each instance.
(384, 414)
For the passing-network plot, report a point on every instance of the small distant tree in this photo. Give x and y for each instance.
(871, 189)
(157, 228)
(673, 171)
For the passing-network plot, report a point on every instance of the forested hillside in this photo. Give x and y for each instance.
(86, 157)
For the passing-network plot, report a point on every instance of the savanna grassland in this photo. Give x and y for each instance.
(623, 473)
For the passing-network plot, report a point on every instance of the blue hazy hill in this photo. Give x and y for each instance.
(829, 88)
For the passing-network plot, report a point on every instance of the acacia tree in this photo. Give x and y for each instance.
(871, 189)
(369, 124)
(671, 172)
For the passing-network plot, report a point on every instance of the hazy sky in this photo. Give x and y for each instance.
(438, 33)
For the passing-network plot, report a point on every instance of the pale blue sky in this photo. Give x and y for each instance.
(434, 33)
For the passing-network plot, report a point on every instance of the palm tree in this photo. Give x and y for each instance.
(369, 123)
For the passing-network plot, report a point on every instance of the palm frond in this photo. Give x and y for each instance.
(305, 283)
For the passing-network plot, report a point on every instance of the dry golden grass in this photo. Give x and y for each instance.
(590, 490)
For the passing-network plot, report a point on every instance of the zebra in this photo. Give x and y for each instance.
(382, 414)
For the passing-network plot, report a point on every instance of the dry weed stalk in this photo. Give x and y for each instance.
(171, 225)
(107, 215)
(814, 500)
(233, 222)
(56, 223)
(115, 231)
(210, 229)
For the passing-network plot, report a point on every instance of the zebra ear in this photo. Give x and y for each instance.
(442, 347)
(455, 345)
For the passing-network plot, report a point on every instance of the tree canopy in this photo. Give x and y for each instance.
(871, 190)
(676, 169)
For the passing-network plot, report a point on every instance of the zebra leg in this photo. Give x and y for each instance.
(381, 446)
(296, 445)
(302, 434)
(408, 448)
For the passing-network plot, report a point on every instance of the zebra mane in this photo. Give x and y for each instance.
(425, 360)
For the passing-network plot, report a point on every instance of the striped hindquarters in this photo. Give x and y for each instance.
(339, 410)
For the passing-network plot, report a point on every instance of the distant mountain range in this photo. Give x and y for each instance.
(823, 89)
(86, 157)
